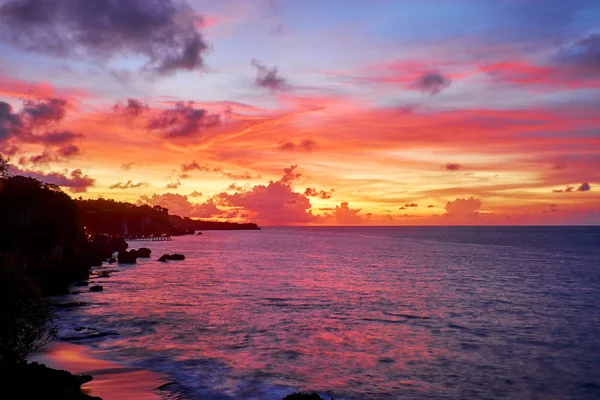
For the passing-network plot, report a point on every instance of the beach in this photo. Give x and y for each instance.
(111, 381)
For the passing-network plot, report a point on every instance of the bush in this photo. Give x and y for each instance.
(25, 316)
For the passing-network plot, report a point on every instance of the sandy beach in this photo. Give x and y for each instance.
(111, 381)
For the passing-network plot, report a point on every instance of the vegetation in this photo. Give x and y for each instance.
(199, 225)
(26, 316)
(110, 217)
(40, 227)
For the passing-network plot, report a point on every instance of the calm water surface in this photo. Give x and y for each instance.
(360, 313)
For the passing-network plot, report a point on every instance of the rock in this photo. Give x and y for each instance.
(71, 304)
(112, 260)
(163, 258)
(103, 274)
(176, 257)
(96, 288)
(144, 252)
(303, 396)
(199, 233)
(127, 257)
(36, 381)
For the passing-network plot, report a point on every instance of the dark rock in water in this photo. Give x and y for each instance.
(112, 260)
(36, 381)
(144, 252)
(171, 257)
(303, 396)
(127, 257)
(71, 305)
(103, 274)
(96, 288)
(199, 233)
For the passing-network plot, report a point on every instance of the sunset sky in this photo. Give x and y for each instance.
(319, 112)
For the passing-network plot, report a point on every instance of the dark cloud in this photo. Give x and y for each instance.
(56, 138)
(304, 145)
(194, 166)
(173, 185)
(583, 55)
(570, 189)
(132, 109)
(10, 123)
(183, 120)
(195, 194)
(129, 185)
(40, 113)
(163, 32)
(44, 158)
(268, 77)
(245, 176)
(48, 156)
(235, 187)
(289, 175)
(432, 82)
(411, 205)
(321, 194)
(559, 166)
(453, 167)
(35, 123)
(585, 187)
(127, 166)
(430, 206)
(75, 181)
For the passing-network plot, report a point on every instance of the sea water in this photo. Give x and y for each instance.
(358, 313)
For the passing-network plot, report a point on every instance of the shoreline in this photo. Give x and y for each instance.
(111, 381)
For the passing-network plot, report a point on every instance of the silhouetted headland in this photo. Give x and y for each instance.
(48, 241)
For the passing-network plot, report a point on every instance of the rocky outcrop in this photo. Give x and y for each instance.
(144, 252)
(303, 396)
(36, 381)
(96, 288)
(171, 257)
(127, 257)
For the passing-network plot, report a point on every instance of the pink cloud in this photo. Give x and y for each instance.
(75, 181)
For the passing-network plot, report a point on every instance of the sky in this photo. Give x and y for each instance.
(310, 112)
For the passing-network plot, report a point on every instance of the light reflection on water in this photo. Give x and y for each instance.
(369, 313)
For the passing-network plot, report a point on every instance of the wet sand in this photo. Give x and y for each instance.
(111, 381)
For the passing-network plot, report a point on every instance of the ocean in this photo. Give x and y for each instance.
(357, 313)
